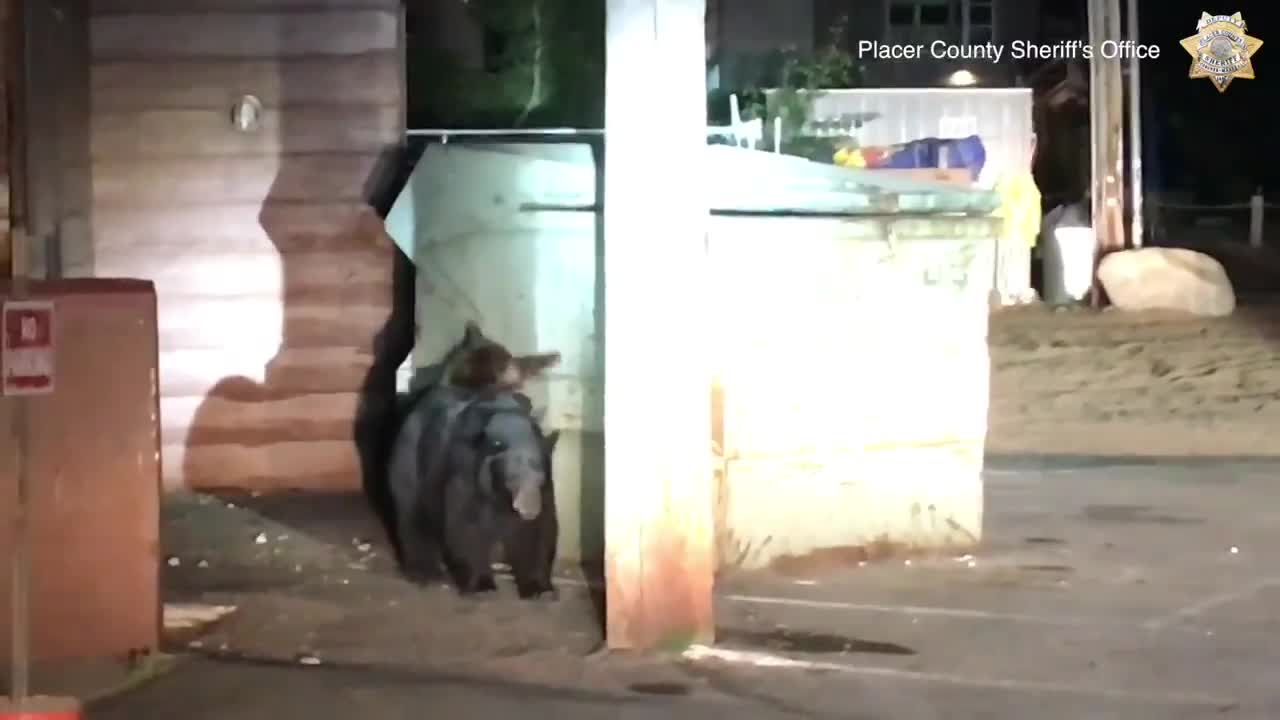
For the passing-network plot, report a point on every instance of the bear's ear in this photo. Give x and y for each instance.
(483, 366)
(533, 365)
(550, 441)
(472, 334)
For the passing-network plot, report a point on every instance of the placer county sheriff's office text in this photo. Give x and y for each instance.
(1017, 50)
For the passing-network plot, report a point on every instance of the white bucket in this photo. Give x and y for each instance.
(1068, 265)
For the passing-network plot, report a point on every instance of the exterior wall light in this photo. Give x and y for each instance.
(246, 114)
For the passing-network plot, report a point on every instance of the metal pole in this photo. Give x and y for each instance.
(1106, 109)
(659, 512)
(1257, 212)
(21, 629)
(21, 648)
(1115, 142)
(1097, 130)
(1135, 136)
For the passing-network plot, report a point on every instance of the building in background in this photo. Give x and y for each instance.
(742, 36)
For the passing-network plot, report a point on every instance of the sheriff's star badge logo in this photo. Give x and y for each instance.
(1221, 50)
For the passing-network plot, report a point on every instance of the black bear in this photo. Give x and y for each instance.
(470, 468)
(498, 488)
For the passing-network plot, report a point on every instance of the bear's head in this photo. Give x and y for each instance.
(479, 363)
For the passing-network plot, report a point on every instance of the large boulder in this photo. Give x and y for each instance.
(1167, 279)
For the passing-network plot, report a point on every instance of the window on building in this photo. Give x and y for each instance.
(920, 13)
(934, 15)
(979, 22)
(922, 21)
(970, 21)
(902, 14)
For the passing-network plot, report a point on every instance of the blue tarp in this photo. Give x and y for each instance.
(967, 153)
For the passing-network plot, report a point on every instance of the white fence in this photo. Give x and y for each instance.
(1245, 221)
(1000, 116)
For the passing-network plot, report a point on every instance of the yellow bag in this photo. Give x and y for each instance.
(850, 158)
(1019, 206)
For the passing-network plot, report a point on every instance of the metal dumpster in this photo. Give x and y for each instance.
(849, 321)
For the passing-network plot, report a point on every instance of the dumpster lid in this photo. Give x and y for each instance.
(536, 176)
(754, 181)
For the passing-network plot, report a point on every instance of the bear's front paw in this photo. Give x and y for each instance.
(538, 591)
(477, 585)
(422, 577)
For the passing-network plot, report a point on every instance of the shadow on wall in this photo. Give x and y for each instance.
(375, 422)
(288, 440)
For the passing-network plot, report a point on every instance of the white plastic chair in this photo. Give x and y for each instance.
(748, 134)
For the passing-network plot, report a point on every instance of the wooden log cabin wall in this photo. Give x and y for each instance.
(7, 31)
(273, 274)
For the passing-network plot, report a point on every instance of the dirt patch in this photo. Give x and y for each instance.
(659, 688)
(1148, 384)
(831, 559)
(1135, 515)
(1044, 541)
(312, 589)
(797, 641)
(314, 583)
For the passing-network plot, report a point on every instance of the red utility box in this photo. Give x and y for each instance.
(93, 410)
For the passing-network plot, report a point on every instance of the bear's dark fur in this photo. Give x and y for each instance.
(478, 514)
(451, 510)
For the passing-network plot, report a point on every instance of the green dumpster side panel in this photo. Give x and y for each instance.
(853, 384)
